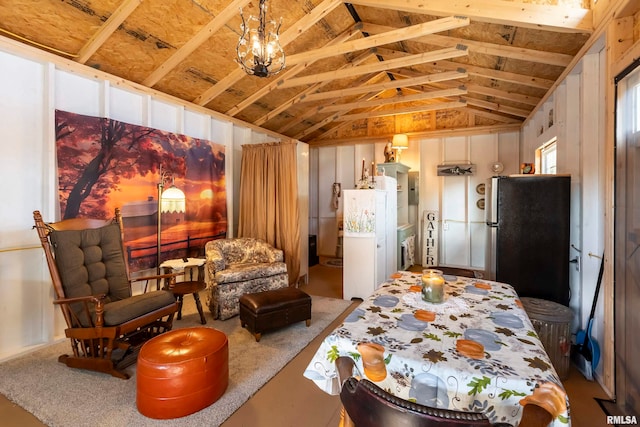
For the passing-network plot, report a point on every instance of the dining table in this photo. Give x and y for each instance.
(476, 351)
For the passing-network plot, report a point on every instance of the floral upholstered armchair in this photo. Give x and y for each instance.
(239, 266)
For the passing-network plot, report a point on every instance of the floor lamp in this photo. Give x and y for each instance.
(170, 200)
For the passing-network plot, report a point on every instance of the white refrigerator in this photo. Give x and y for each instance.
(369, 239)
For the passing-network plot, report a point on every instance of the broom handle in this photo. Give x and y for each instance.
(595, 297)
(587, 331)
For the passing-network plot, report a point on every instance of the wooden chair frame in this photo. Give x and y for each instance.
(101, 348)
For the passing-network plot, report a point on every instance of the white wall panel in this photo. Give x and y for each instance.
(164, 116)
(345, 159)
(509, 152)
(455, 150)
(78, 94)
(197, 125)
(454, 239)
(127, 106)
(328, 227)
(302, 152)
(313, 191)
(21, 135)
(484, 152)
(24, 300)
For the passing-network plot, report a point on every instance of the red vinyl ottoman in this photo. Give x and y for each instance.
(181, 372)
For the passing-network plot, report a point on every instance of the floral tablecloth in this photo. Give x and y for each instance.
(477, 351)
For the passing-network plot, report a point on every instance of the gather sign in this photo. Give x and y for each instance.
(430, 238)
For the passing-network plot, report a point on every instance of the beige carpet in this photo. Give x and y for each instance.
(50, 390)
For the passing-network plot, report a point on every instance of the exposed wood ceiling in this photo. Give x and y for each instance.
(358, 71)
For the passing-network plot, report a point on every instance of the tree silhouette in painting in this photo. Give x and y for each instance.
(95, 154)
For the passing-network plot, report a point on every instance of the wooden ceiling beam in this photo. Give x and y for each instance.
(563, 19)
(379, 39)
(364, 88)
(506, 51)
(476, 89)
(106, 30)
(282, 107)
(374, 112)
(502, 94)
(327, 120)
(504, 76)
(364, 82)
(492, 116)
(421, 58)
(489, 73)
(291, 72)
(394, 84)
(437, 133)
(404, 110)
(443, 93)
(196, 41)
(310, 19)
(494, 106)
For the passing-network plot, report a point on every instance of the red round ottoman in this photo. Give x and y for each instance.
(181, 372)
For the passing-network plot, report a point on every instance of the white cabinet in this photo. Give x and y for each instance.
(369, 242)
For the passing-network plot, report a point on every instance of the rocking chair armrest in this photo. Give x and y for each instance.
(98, 302)
(94, 298)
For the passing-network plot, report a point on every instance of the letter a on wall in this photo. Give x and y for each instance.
(430, 238)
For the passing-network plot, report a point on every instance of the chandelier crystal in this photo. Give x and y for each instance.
(259, 50)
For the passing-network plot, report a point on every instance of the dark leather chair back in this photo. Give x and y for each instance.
(370, 406)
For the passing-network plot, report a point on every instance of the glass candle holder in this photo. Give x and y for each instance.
(433, 286)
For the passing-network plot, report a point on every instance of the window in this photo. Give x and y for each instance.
(548, 157)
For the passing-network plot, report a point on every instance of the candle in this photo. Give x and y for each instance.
(362, 176)
(373, 171)
(432, 286)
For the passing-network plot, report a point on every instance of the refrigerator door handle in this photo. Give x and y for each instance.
(492, 207)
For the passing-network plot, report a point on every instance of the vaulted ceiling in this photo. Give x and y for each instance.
(355, 72)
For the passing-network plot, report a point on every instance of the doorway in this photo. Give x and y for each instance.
(627, 240)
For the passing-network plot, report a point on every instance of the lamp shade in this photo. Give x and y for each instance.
(173, 200)
(400, 141)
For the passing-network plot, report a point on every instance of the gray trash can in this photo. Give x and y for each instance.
(551, 322)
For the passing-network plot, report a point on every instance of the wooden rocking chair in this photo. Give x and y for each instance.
(105, 323)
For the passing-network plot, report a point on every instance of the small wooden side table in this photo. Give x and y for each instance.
(189, 285)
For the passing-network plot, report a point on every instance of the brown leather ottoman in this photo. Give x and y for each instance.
(181, 372)
(274, 309)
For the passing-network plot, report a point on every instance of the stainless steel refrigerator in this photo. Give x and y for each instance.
(528, 234)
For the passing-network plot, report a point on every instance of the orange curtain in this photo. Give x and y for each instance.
(269, 199)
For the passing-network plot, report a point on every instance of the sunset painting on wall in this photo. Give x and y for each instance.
(104, 164)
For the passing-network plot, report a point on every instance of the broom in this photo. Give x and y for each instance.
(586, 352)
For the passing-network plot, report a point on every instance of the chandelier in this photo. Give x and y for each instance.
(259, 48)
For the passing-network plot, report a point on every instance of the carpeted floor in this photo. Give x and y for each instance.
(47, 388)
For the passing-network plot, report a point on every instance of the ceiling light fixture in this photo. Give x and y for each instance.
(259, 47)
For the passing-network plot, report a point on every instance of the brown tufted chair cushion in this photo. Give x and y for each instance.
(91, 262)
